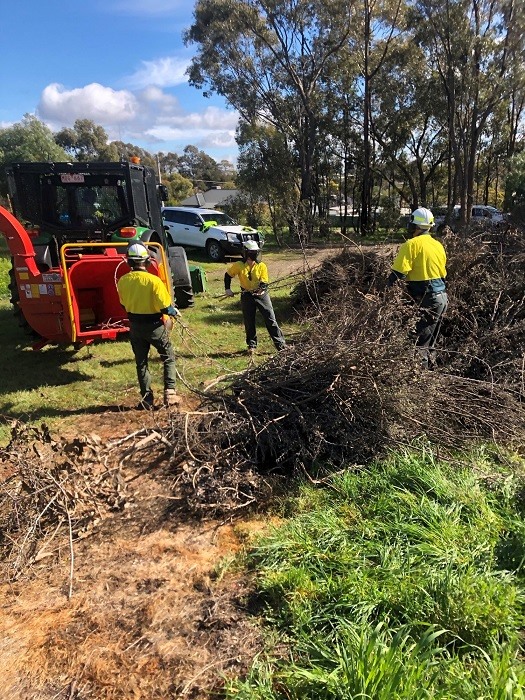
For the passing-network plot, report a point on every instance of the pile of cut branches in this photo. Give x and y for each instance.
(349, 391)
(483, 335)
(483, 332)
(54, 488)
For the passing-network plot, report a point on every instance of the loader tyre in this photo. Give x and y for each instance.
(184, 297)
(17, 311)
(150, 236)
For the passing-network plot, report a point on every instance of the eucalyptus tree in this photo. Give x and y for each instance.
(515, 113)
(27, 140)
(168, 162)
(477, 48)
(199, 167)
(408, 116)
(86, 141)
(266, 169)
(381, 25)
(268, 58)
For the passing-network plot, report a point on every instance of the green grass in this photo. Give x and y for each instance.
(57, 384)
(403, 580)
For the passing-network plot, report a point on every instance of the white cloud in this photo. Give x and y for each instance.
(218, 139)
(212, 128)
(101, 104)
(164, 72)
(150, 117)
(210, 119)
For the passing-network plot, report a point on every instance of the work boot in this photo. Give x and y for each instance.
(171, 398)
(146, 403)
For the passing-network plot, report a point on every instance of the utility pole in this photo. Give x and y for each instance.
(160, 177)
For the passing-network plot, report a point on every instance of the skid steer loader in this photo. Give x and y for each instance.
(68, 235)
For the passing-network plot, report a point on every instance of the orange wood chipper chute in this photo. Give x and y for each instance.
(74, 301)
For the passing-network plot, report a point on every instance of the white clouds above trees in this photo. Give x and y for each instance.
(144, 111)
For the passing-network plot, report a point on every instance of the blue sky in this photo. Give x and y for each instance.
(120, 63)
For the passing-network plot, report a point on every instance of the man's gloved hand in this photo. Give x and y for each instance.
(229, 293)
(170, 311)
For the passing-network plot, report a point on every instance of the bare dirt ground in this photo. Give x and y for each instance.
(138, 608)
(135, 607)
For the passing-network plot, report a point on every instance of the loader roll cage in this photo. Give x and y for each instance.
(81, 202)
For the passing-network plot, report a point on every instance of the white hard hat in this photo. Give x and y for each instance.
(422, 218)
(137, 252)
(251, 245)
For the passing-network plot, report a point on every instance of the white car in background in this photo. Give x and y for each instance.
(208, 229)
(481, 213)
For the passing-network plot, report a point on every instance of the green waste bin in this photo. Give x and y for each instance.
(198, 279)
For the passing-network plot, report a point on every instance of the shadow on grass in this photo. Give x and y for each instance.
(219, 313)
(22, 369)
(25, 370)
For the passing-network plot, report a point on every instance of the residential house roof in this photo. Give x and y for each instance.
(209, 199)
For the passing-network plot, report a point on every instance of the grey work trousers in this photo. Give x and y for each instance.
(431, 308)
(142, 336)
(249, 306)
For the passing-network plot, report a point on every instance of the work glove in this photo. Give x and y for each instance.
(171, 311)
(228, 293)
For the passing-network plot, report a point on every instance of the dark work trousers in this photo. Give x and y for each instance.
(249, 306)
(431, 308)
(142, 336)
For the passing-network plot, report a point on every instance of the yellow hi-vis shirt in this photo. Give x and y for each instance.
(249, 278)
(141, 292)
(421, 259)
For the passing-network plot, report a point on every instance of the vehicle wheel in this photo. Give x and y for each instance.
(184, 297)
(17, 311)
(214, 250)
(150, 236)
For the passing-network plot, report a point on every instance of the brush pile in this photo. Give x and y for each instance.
(349, 390)
(484, 329)
(483, 332)
(53, 487)
(352, 388)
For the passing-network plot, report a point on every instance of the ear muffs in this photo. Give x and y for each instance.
(411, 227)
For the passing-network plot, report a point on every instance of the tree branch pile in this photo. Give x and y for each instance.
(348, 391)
(54, 487)
(483, 332)
(483, 335)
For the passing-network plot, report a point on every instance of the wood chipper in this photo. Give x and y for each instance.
(68, 238)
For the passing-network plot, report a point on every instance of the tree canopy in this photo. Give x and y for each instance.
(419, 101)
